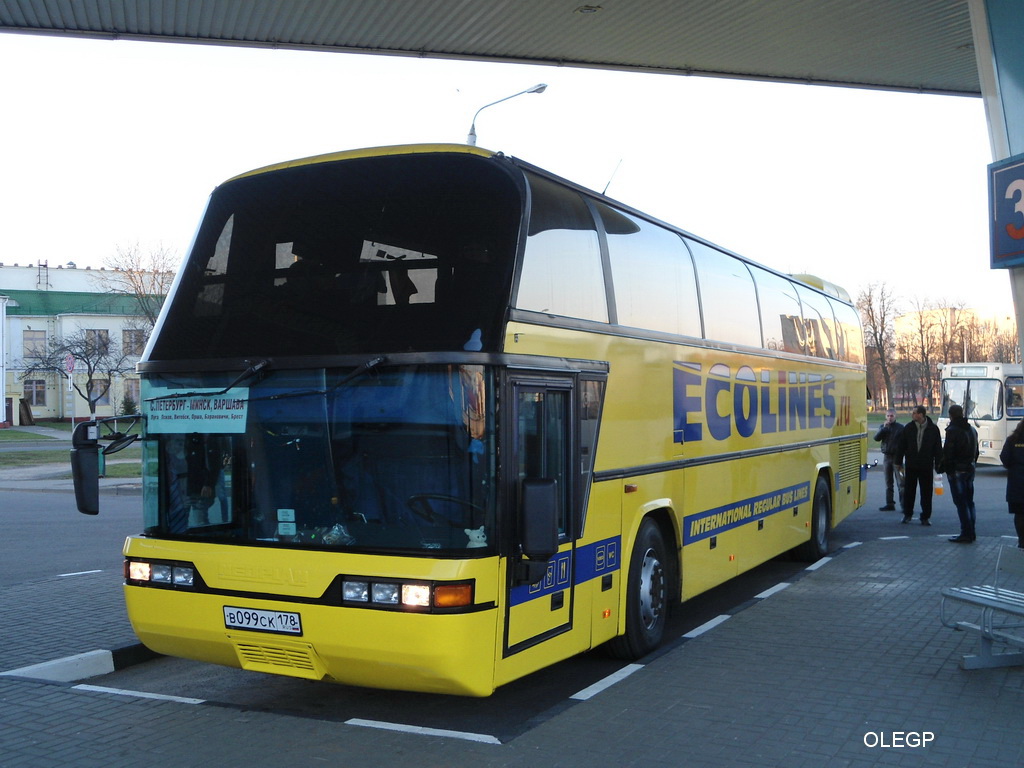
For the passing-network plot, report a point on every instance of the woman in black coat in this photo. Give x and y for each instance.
(1012, 457)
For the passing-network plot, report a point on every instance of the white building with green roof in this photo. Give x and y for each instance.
(40, 304)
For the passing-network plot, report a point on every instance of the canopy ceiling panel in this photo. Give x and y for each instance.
(918, 45)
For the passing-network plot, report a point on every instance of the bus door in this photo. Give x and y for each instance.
(543, 439)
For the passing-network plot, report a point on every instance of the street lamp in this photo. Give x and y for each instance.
(471, 138)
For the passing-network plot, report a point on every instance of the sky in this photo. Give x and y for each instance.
(106, 144)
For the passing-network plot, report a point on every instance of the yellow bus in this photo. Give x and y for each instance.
(992, 396)
(431, 418)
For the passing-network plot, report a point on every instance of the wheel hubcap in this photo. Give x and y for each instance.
(652, 589)
(822, 521)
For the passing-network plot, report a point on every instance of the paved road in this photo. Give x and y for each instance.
(827, 672)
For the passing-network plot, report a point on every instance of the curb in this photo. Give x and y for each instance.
(110, 490)
(82, 666)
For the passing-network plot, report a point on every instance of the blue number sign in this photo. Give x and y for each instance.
(1006, 202)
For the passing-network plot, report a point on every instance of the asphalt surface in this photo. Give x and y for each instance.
(847, 665)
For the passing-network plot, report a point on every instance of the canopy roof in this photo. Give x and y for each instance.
(916, 45)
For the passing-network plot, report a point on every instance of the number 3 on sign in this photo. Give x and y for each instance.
(1016, 189)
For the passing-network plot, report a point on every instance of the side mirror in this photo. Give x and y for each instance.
(120, 442)
(539, 529)
(85, 467)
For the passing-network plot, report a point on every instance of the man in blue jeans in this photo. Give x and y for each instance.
(888, 435)
(919, 448)
(959, 455)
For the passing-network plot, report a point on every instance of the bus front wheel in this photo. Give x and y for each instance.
(646, 596)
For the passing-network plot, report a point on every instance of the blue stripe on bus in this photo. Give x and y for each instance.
(712, 522)
(591, 561)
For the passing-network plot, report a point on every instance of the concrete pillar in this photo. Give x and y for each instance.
(998, 27)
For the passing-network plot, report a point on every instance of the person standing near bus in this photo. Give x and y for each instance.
(888, 435)
(919, 450)
(1012, 457)
(959, 455)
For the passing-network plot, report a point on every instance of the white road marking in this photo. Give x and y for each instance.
(706, 626)
(482, 738)
(592, 690)
(138, 694)
(769, 592)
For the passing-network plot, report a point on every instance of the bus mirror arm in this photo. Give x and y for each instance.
(85, 458)
(85, 467)
(539, 531)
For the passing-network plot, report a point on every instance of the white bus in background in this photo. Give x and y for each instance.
(992, 396)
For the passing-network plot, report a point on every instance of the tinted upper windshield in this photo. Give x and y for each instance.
(400, 253)
(399, 458)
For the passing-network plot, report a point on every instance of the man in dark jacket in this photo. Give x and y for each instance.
(1012, 457)
(920, 449)
(888, 435)
(959, 455)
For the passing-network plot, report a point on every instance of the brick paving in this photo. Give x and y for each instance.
(852, 650)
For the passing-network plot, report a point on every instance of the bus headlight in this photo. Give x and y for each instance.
(385, 594)
(145, 573)
(183, 576)
(416, 595)
(139, 571)
(411, 595)
(355, 591)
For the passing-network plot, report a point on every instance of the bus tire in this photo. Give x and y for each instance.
(647, 592)
(821, 523)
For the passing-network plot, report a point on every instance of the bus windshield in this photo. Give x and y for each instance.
(982, 399)
(397, 459)
(404, 252)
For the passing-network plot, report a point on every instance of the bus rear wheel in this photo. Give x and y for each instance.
(646, 595)
(821, 518)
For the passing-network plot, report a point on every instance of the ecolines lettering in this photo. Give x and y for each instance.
(748, 402)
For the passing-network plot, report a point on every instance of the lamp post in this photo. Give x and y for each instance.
(471, 138)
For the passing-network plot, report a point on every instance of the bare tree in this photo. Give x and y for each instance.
(978, 338)
(920, 343)
(949, 322)
(1005, 346)
(877, 308)
(101, 357)
(146, 276)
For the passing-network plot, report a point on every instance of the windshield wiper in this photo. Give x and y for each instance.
(252, 370)
(355, 373)
(348, 378)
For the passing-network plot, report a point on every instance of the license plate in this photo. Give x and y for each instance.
(256, 620)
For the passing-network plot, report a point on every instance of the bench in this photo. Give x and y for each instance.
(997, 610)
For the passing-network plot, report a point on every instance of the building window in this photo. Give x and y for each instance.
(102, 385)
(98, 340)
(133, 341)
(35, 392)
(34, 343)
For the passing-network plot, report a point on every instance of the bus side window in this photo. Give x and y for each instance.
(562, 272)
(727, 297)
(652, 273)
(1014, 397)
(781, 317)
